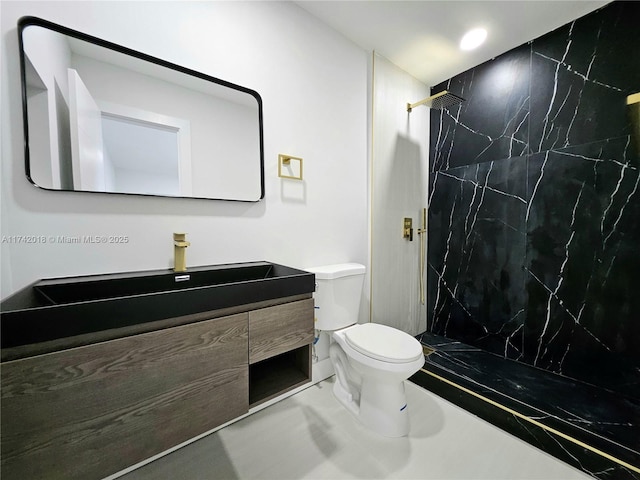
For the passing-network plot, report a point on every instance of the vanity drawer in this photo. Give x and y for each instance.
(275, 330)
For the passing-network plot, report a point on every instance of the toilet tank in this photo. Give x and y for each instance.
(337, 296)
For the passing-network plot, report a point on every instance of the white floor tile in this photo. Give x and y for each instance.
(311, 436)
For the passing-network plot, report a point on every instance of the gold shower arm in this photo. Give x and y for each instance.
(439, 100)
(429, 100)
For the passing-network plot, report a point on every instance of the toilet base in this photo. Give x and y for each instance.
(382, 408)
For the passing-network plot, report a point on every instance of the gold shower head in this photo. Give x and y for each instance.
(438, 101)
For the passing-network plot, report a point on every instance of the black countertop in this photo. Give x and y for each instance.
(53, 309)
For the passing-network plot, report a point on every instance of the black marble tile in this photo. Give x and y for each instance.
(492, 123)
(606, 421)
(611, 419)
(444, 344)
(540, 264)
(583, 268)
(475, 254)
(534, 227)
(555, 445)
(581, 76)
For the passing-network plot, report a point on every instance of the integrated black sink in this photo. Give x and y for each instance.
(101, 287)
(60, 308)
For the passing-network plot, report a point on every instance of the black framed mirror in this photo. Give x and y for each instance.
(100, 117)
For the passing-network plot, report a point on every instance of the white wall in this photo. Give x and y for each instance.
(313, 84)
(399, 189)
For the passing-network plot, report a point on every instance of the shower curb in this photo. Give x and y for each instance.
(600, 457)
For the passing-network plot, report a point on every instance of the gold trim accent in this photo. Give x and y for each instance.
(286, 160)
(535, 422)
(634, 98)
(427, 350)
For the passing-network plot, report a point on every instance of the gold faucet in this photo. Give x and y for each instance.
(180, 244)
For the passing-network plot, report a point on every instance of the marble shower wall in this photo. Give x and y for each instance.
(534, 208)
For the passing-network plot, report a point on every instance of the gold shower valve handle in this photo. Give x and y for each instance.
(407, 230)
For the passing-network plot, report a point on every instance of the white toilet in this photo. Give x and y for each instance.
(371, 361)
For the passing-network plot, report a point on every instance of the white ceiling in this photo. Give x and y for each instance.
(422, 36)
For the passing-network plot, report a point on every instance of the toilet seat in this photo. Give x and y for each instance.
(383, 343)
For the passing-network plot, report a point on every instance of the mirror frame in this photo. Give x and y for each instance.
(28, 21)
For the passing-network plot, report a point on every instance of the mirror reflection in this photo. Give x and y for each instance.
(102, 118)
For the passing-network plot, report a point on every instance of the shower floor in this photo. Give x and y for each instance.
(590, 428)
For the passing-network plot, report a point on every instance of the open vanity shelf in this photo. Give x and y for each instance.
(279, 349)
(277, 375)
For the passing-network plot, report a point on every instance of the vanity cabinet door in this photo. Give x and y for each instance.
(279, 329)
(91, 411)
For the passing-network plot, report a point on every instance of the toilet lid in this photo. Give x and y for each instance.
(383, 343)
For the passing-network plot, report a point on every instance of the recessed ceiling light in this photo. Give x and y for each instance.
(473, 39)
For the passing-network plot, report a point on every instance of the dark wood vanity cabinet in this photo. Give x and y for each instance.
(280, 339)
(91, 411)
